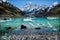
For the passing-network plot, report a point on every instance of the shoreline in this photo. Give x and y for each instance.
(52, 36)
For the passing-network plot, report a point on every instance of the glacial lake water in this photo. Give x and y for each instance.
(31, 23)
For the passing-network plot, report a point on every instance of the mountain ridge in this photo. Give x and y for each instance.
(9, 10)
(41, 11)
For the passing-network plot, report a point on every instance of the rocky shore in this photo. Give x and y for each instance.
(43, 36)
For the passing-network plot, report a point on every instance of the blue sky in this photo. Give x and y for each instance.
(20, 3)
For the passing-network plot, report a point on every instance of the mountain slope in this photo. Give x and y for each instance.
(54, 10)
(8, 10)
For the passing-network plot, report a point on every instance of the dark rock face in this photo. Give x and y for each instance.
(8, 10)
(8, 28)
(23, 27)
(4, 19)
(38, 28)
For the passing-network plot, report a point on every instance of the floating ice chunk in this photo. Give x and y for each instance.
(49, 24)
(55, 29)
(52, 17)
(5, 20)
(28, 19)
(2, 20)
(32, 24)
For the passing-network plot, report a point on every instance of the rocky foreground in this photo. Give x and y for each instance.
(42, 36)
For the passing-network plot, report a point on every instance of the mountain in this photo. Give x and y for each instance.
(8, 10)
(34, 10)
(54, 10)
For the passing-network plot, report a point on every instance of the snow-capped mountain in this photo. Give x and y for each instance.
(29, 7)
(53, 5)
(34, 10)
(54, 10)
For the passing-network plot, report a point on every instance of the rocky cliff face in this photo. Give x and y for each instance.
(8, 10)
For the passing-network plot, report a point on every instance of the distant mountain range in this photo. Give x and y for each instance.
(29, 10)
(8, 10)
(34, 10)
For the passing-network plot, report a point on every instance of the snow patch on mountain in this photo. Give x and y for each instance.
(53, 5)
(34, 10)
(32, 7)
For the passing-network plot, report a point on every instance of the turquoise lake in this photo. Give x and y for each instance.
(31, 23)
